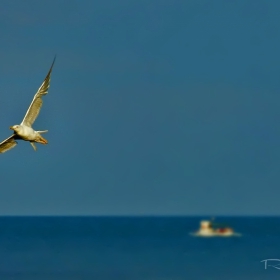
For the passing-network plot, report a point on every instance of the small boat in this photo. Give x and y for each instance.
(209, 229)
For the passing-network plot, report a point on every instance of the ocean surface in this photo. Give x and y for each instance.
(136, 248)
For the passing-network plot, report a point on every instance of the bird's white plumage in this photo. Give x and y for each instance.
(24, 131)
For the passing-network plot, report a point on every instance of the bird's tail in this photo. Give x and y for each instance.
(42, 131)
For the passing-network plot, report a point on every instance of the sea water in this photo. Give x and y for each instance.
(136, 248)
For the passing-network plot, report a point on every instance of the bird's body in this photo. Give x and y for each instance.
(28, 133)
(24, 131)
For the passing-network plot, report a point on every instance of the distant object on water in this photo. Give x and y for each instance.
(209, 229)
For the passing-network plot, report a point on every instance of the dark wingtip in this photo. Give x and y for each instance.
(49, 73)
(53, 61)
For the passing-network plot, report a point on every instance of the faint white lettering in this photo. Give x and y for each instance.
(271, 262)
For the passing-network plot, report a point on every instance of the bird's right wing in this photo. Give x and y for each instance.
(8, 144)
(37, 102)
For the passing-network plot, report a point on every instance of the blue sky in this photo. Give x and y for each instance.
(155, 107)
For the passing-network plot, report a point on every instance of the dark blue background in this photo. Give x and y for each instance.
(155, 107)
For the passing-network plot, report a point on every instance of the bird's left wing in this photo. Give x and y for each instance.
(8, 144)
(36, 104)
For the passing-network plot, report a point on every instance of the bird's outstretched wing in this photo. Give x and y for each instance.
(36, 104)
(8, 144)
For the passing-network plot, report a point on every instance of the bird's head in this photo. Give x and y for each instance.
(15, 127)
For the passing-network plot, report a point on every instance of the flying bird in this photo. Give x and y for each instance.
(24, 131)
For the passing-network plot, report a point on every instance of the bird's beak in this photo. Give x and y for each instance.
(11, 128)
